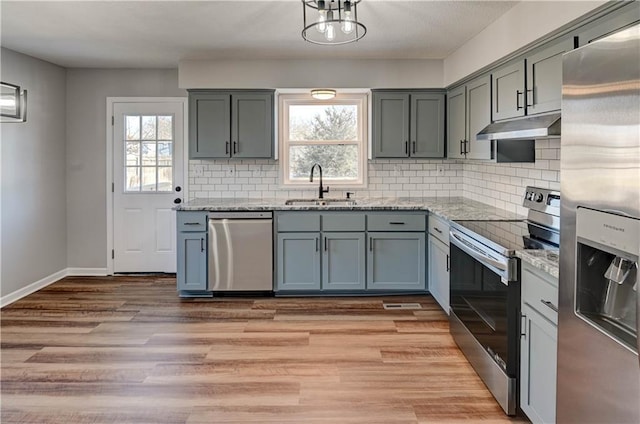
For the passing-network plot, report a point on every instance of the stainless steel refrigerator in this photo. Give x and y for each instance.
(598, 366)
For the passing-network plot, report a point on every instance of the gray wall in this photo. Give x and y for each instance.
(87, 91)
(34, 209)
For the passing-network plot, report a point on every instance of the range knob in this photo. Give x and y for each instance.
(538, 197)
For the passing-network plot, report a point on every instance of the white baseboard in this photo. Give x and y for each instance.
(50, 279)
(87, 272)
(20, 293)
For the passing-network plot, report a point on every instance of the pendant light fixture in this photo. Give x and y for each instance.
(323, 93)
(331, 22)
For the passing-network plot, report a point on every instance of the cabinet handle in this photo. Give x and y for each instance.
(461, 152)
(191, 223)
(466, 144)
(406, 147)
(370, 244)
(201, 244)
(549, 304)
(530, 91)
(523, 332)
(325, 244)
(226, 147)
(317, 244)
(235, 147)
(518, 93)
(448, 264)
(414, 147)
(396, 223)
(438, 229)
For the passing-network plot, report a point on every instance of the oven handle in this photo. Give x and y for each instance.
(475, 252)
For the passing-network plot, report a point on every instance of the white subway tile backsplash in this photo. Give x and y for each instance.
(497, 184)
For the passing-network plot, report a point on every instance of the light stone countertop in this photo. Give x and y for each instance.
(450, 208)
(545, 260)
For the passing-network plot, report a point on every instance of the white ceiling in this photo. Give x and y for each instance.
(150, 34)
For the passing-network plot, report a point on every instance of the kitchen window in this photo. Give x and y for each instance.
(332, 133)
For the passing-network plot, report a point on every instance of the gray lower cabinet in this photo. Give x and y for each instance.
(311, 259)
(231, 124)
(439, 262)
(396, 261)
(538, 345)
(298, 263)
(191, 249)
(343, 261)
(408, 124)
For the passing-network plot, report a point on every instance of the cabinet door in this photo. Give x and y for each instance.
(252, 125)
(456, 122)
(620, 19)
(390, 125)
(192, 261)
(508, 91)
(478, 117)
(343, 261)
(544, 78)
(427, 125)
(439, 272)
(209, 125)
(538, 367)
(298, 261)
(396, 261)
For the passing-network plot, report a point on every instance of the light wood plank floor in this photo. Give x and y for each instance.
(128, 350)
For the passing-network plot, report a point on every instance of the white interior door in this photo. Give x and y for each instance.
(148, 169)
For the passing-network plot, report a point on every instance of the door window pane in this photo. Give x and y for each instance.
(148, 127)
(148, 164)
(132, 128)
(165, 127)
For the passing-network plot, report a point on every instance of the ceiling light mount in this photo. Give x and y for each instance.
(323, 93)
(331, 22)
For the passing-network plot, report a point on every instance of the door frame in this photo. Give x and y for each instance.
(109, 146)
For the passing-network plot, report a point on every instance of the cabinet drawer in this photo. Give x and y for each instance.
(192, 221)
(298, 221)
(343, 222)
(396, 222)
(439, 229)
(540, 292)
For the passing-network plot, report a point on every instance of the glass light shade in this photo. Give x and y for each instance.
(323, 93)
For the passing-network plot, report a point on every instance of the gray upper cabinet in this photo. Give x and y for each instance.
(252, 125)
(230, 124)
(456, 122)
(508, 91)
(544, 77)
(469, 109)
(427, 126)
(620, 19)
(408, 124)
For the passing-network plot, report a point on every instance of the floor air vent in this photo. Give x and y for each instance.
(402, 306)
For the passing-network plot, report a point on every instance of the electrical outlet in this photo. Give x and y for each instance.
(230, 170)
(198, 170)
(440, 169)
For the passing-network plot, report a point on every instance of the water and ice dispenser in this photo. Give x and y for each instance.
(607, 273)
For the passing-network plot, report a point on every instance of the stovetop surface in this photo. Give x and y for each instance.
(508, 234)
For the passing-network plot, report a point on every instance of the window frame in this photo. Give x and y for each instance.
(360, 100)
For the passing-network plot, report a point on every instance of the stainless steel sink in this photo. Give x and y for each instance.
(320, 202)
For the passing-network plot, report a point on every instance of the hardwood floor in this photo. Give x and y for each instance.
(128, 350)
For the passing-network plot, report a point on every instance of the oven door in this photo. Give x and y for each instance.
(484, 319)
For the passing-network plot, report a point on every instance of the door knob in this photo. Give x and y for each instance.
(177, 201)
(178, 188)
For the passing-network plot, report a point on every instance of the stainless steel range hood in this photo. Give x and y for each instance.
(524, 128)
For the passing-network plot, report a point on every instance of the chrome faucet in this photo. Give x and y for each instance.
(321, 190)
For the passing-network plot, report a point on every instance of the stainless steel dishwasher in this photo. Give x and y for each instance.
(240, 251)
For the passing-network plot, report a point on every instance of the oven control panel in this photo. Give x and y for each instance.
(543, 200)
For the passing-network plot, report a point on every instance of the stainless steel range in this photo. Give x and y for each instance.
(485, 288)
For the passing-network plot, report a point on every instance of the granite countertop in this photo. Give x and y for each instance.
(545, 260)
(450, 208)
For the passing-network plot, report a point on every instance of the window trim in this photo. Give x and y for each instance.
(361, 99)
